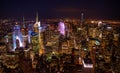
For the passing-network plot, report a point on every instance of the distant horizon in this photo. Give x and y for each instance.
(69, 14)
(95, 9)
(65, 17)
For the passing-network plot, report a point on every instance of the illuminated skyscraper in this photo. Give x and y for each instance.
(37, 24)
(37, 30)
(29, 33)
(17, 36)
(61, 28)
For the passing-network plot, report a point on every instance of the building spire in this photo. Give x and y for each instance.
(82, 18)
(36, 16)
(23, 22)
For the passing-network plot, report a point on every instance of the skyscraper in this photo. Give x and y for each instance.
(17, 36)
(37, 29)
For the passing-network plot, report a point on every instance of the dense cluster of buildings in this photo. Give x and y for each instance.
(59, 46)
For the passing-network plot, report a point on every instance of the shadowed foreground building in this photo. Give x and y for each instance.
(87, 65)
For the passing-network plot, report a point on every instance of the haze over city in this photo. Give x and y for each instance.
(95, 9)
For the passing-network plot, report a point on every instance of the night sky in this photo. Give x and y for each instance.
(95, 9)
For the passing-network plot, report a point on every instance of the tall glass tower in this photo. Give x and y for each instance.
(17, 37)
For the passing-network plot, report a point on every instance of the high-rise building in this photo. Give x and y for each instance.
(61, 28)
(17, 35)
(38, 43)
(29, 33)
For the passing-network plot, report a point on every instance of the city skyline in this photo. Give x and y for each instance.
(59, 36)
(102, 9)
